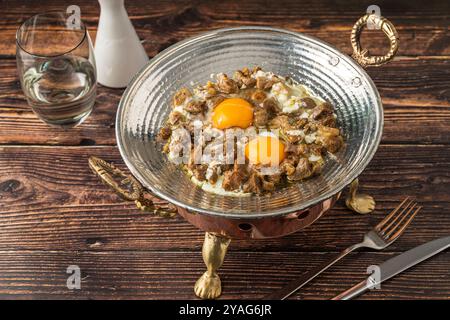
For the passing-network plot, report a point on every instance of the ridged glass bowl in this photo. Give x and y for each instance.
(330, 74)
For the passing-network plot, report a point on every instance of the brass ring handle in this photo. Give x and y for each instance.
(128, 188)
(362, 56)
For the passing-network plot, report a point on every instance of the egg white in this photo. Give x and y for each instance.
(217, 187)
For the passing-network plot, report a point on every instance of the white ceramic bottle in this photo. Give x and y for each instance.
(118, 52)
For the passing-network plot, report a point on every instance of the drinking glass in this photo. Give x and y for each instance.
(56, 66)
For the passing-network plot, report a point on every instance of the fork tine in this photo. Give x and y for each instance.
(402, 214)
(385, 220)
(387, 231)
(400, 231)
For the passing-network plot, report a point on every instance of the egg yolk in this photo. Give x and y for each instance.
(265, 150)
(233, 112)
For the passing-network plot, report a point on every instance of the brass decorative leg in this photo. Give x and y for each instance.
(360, 203)
(208, 286)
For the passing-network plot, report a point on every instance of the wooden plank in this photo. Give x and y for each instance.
(422, 26)
(415, 93)
(171, 275)
(51, 201)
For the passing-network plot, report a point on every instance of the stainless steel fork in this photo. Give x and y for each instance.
(380, 237)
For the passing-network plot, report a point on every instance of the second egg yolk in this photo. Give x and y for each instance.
(233, 112)
(265, 150)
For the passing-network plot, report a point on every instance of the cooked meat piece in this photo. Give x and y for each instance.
(275, 178)
(212, 173)
(316, 149)
(213, 178)
(256, 69)
(213, 102)
(253, 184)
(225, 84)
(226, 167)
(293, 136)
(307, 103)
(327, 105)
(272, 107)
(333, 144)
(322, 110)
(242, 170)
(281, 122)
(268, 185)
(246, 72)
(328, 121)
(316, 168)
(205, 93)
(243, 79)
(180, 97)
(297, 149)
(175, 118)
(209, 90)
(234, 178)
(195, 107)
(258, 96)
(287, 166)
(164, 133)
(249, 82)
(260, 117)
(264, 83)
(310, 127)
(328, 131)
(300, 123)
(199, 172)
(293, 139)
(302, 171)
(330, 138)
(231, 180)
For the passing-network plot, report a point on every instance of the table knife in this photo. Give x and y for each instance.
(397, 265)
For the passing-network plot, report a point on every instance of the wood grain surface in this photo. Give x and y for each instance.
(54, 212)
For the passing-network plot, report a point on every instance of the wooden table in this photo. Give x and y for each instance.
(54, 212)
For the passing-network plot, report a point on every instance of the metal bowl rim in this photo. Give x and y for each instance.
(239, 215)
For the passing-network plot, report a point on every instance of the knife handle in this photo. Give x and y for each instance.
(354, 291)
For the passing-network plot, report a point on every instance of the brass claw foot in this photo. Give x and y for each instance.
(360, 203)
(208, 286)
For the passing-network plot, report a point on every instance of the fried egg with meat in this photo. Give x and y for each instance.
(276, 134)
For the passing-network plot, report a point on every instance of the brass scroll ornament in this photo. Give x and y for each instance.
(360, 203)
(362, 56)
(128, 188)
